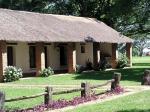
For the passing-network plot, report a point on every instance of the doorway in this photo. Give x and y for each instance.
(63, 56)
(10, 58)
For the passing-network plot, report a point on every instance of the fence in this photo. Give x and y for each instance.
(85, 90)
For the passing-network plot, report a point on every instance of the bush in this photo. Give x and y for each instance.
(46, 72)
(12, 73)
(104, 64)
(89, 65)
(122, 61)
(79, 69)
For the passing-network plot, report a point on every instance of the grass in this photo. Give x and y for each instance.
(14, 92)
(18, 92)
(130, 76)
(144, 59)
(138, 102)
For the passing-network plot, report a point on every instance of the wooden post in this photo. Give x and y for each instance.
(146, 78)
(2, 101)
(114, 56)
(86, 91)
(48, 96)
(129, 53)
(116, 82)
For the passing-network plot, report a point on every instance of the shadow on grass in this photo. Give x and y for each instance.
(135, 110)
(13, 109)
(130, 74)
(141, 64)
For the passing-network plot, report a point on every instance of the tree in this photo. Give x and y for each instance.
(135, 20)
(130, 17)
(140, 44)
(27, 5)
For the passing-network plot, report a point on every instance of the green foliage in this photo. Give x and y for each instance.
(122, 61)
(46, 72)
(89, 65)
(12, 73)
(130, 17)
(135, 52)
(103, 64)
(79, 68)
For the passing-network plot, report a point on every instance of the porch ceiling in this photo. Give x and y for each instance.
(34, 27)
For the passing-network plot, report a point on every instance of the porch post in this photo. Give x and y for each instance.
(129, 53)
(3, 58)
(114, 55)
(40, 57)
(96, 54)
(71, 57)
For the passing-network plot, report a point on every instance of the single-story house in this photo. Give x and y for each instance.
(33, 41)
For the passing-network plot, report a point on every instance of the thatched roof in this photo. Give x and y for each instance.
(33, 27)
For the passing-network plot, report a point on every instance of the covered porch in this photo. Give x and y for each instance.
(33, 57)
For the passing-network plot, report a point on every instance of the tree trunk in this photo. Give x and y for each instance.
(146, 78)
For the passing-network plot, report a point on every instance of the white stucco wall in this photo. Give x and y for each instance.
(21, 56)
(81, 58)
(106, 48)
(53, 56)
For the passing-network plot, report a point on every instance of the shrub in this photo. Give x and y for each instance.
(79, 69)
(46, 72)
(103, 64)
(122, 61)
(89, 65)
(12, 73)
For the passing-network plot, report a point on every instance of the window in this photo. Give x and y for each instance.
(10, 56)
(82, 48)
(32, 57)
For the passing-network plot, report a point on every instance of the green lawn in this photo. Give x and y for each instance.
(144, 59)
(18, 92)
(130, 76)
(139, 102)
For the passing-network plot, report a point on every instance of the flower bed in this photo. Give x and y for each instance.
(75, 101)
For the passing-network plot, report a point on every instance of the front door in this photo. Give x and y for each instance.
(10, 56)
(63, 56)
